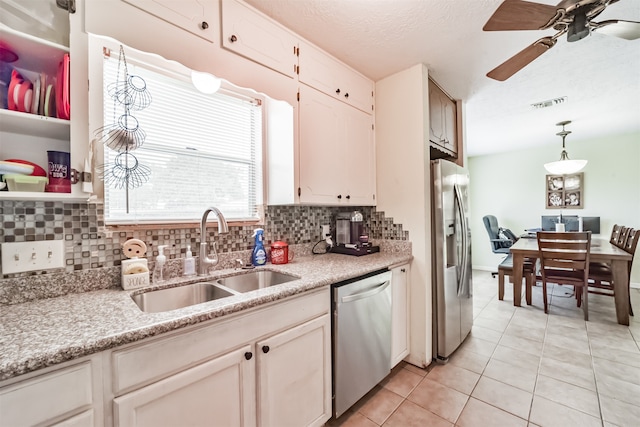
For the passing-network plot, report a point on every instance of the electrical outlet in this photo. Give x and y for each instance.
(30, 256)
(326, 231)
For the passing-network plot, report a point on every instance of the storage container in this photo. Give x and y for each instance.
(17, 182)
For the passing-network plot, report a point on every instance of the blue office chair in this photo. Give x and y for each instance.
(500, 238)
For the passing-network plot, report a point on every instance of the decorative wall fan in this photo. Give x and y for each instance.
(573, 17)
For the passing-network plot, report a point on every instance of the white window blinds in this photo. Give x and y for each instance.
(202, 150)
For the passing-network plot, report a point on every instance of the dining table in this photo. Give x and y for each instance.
(601, 251)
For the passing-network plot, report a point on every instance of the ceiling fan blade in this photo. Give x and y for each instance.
(520, 15)
(518, 61)
(628, 30)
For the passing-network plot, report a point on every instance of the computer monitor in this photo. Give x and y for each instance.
(571, 223)
(591, 223)
(548, 222)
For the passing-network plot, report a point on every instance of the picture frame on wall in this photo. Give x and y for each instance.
(565, 191)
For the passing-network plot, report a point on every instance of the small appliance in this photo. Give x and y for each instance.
(351, 238)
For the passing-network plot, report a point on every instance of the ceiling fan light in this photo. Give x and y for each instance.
(565, 167)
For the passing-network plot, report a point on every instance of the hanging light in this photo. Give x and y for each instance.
(205, 82)
(565, 165)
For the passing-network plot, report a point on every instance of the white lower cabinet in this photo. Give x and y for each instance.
(294, 376)
(219, 392)
(399, 313)
(269, 367)
(67, 396)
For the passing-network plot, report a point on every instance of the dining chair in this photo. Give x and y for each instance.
(615, 232)
(622, 236)
(601, 276)
(528, 272)
(564, 260)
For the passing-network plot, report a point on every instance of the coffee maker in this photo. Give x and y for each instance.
(351, 237)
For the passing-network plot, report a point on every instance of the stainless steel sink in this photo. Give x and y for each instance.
(248, 282)
(179, 297)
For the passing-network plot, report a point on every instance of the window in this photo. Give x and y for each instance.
(202, 150)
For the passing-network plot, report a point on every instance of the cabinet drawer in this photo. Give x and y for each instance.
(143, 364)
(330, 76)
(47, 397)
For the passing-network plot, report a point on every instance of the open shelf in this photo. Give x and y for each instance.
(34, 125)
(42, 196)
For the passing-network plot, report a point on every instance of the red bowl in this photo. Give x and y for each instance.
(37, 170)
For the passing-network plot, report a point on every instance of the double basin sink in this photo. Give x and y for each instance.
(196, 293)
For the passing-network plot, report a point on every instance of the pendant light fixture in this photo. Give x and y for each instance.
(565, 165)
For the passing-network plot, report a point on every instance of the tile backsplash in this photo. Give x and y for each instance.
(89, 244)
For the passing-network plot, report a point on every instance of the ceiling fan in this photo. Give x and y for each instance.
(573, 17)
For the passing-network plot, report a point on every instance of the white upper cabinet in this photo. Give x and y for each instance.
(325, 73)
(196, 16)
(249, 33)
(442, 120)
(337, 154)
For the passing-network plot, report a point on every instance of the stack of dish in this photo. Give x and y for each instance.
(21, 175)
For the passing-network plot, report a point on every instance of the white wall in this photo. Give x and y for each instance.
(511, 186)
(402, 171)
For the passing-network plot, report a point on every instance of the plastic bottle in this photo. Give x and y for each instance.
(189, 266)
(258, 255)
(158, 270)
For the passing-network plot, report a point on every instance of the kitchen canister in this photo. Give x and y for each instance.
(59, 172)
(280, 253)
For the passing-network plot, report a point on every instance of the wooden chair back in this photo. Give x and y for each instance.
(631, 244)
(615, 232)
(564, 259)
(622, 237)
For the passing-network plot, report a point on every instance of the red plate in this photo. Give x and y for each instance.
(37, 170)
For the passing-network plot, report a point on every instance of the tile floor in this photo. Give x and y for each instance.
(520, 367)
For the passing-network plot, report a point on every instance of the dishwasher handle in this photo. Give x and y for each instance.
(354, 297)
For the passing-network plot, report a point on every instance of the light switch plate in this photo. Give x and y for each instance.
(30, 256)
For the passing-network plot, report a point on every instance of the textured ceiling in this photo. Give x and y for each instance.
(599, 75)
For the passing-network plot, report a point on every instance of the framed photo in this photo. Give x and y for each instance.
(564, 191)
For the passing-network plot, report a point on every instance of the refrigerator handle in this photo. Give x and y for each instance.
(465, 240)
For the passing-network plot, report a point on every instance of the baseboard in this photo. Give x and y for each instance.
(635, 285)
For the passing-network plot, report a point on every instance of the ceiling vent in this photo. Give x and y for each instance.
(549, 103)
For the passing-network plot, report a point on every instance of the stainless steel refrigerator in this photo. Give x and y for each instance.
(451, 257)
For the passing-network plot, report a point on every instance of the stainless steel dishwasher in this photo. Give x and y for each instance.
(361, 337)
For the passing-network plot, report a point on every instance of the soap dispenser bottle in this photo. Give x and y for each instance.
(158, 270)
(258, 255)
(189, 266)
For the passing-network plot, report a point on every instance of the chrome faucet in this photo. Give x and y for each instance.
(205, 261)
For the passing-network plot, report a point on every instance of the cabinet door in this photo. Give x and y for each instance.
(220, 392)
(250, 34)
(436, 114)
(361, 170)
(294, 373)
(195, 16)
(399, 314)
(328, 75)
(322, 151)
(450, 128)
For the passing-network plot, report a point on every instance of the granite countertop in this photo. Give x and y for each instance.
(41, 333)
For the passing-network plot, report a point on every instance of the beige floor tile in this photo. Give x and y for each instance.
(568, 394)
(515, 357)
(443, 401)
(411, 415)
(604, 367)
(454, 377)
(380, 405)
(503, 396)
(485, 334)
(571, 322)
(469, 360)
(522, 344)
(595, 329)
(575, 344)
(509, 374)
(401, 381)
(477, 413)
(489, 323)
(535, 334)
(568, 331)
(419, 371)
(352, 419)
(568, 355)
(624, 344)
(568, 373)
(616, 355)
(550, 414)
(618, 389)
(619, 413)
(478, 346)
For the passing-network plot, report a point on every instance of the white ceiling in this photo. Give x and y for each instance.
(599, 75)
